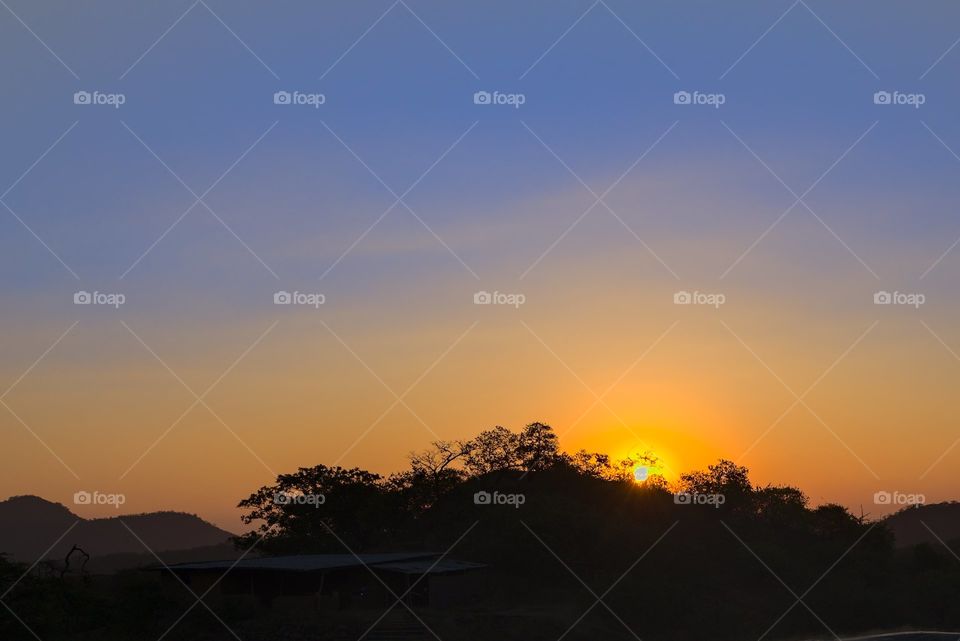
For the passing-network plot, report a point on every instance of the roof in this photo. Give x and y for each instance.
(307, 562)
(429, 566)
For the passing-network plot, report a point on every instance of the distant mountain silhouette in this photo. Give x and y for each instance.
(31, 525)
(909, 525)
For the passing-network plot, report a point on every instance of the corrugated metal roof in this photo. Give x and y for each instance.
(425, 566)
(305, 562)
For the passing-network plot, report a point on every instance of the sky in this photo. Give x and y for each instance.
(629, 153)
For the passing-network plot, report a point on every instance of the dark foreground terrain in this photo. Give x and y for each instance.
(581, 551)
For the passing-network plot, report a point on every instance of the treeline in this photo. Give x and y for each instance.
(711, 554)
(589, 552)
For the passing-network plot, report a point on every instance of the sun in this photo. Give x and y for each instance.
(647, 465)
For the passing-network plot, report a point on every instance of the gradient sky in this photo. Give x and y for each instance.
(496, 203)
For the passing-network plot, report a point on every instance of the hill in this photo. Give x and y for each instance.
(31, 525)
(913, 525)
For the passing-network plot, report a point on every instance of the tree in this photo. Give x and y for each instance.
(435, 466)
(726, 478)
(320, 509)
(590, 463)
(493, 450)
(538, 447)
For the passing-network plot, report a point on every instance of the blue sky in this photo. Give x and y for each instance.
(495, 202)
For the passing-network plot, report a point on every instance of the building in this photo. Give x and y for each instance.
(321, 582)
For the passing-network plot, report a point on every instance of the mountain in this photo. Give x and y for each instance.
(32, 527)
(913, 525)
